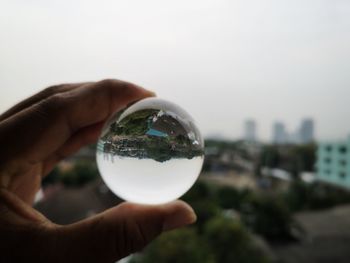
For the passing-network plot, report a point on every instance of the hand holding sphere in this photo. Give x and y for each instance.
(35, 135)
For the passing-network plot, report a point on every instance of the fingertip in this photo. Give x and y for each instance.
(152, 93)
(146, 92)
(178, 214)
(135, 93)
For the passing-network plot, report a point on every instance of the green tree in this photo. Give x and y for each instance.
(270, 217)
(303, 196)
(82, 173)
(231, 242)
(52, 178)
(179, 246)
(200, 191)
(270, 157)
(228, 197)
(297, 196)
(203, 200)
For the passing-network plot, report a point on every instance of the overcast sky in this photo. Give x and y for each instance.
(222, 60)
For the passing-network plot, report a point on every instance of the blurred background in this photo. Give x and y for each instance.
(267, 82)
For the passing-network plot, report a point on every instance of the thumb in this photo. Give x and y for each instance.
(119, 231)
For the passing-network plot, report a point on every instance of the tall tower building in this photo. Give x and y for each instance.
(250, 131)
(280, 135)
(306, 132)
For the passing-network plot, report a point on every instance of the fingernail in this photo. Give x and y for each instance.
(152, 93)
(179, 218)
(149, 92)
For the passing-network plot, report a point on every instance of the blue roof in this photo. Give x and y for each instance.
(153, 132)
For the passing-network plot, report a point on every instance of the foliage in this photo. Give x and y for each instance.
(265, 215)
(200, 191)
(52, 178)
(269, 217)
(205, 211)
(222, 145)
(230, 242)
(224, 240)
(302, 196)
(292, 158)
(305, 157)
(134, 124)
(179, 246)
(82, 173)
(202, 200)
(229, 197)
(270, 157)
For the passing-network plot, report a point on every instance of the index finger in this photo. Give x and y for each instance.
(35, 133)
(50, 91)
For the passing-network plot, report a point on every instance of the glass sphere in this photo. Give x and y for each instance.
(150, 153)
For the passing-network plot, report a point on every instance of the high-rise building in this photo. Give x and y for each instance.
(250, 131)
(280, 135)
(306, 132)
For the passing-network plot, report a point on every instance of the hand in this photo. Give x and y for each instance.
(34, 136)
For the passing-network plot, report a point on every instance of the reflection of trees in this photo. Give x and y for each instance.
(154, 147)
(129, 138)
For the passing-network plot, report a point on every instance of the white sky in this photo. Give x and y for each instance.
(222, 60)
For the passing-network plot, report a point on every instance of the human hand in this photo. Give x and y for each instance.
(35, 135)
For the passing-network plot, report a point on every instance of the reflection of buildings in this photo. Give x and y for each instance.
(165, 125)
(250, 131)
(333, 163)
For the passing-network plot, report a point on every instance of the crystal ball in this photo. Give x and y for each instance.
(150, 153)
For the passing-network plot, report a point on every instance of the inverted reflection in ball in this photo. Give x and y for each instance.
(151, 153)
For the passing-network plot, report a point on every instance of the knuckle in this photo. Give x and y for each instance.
(54, 102)
(113, 84)
(51, 106)
(53, 89)
(127, 208)
(107, 82)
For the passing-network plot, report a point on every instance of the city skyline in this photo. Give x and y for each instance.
(302, 133)
(220, 60)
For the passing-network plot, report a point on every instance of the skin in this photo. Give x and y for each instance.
(34, 136)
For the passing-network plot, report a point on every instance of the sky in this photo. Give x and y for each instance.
(222, 60)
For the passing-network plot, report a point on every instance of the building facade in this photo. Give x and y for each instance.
(306, 132)
(280, 135)
(333, 163)
(250, 131)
